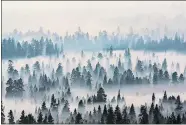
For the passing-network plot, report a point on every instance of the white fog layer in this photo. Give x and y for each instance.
(93, 62)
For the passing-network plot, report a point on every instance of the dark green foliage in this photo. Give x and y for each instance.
(118, 97)
(2, 113)
(132, 114)
(22, 119)
(125, 119)
(143, 116)
(151, 111)
(101, 96)
(10, 117)
(14, 88)
(59, 70)
(181, 78)
(43, 107)
(175, 77)
(118, 115)
(30, 119)
(50, 118)
(110, 116)
(79, 119)
(116, 76)
(139, 66)
(40, 118)
(156, 115)
(153, 97)
(171, 119)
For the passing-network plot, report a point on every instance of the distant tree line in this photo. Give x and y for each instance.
(16, 49)
(82, 41)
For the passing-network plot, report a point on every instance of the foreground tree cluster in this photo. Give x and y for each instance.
(153, 114)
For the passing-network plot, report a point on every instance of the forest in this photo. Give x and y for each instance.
(90, 62)
(50, 86)
(13, 47)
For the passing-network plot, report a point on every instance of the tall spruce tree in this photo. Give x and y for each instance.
(10, 117)
(143, 116)
(125, 119)
(132, 114)
(2, 113)
(79, 119)
(50, 118)
(118, 115)
(110, 116)
(40, 118)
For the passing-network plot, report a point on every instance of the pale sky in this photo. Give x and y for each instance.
(91, 16)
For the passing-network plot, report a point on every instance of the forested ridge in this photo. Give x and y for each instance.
(12, 48)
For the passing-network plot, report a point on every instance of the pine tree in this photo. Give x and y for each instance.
(153, 97)
(160, 75)
(68, 92)
(45, 120)
(101, 96)
(143, 116)
(19, 87)
(10, 68)
(151, 110)
(53, 101)
(139, 66)
(59, 70)
(181, 78)
(164, 65)
(118, 97)
(2, 113)
(119, 63)
(31, 119)
(43, 107)
(166, 76)
(11, 117)
(75, 112)
(179, 106)
(110, 116)
(94, 112)
(171, 119)
(50, 118)
(9, 88)
(125, 119)
(99, 113)
(116, 76)
(132, 114)
(165, 97)
(105, 81)
(27, 69)
(22, 119)
(79, 119)
(118, 115)
(89, 101)
(66, 108)
(155, 78)
(81, 106)
(88, 80)
(178, 119)
(183, 119)
(40, 118)
(36, 66)
(104, 115)
(156, 115)
(174, 77)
